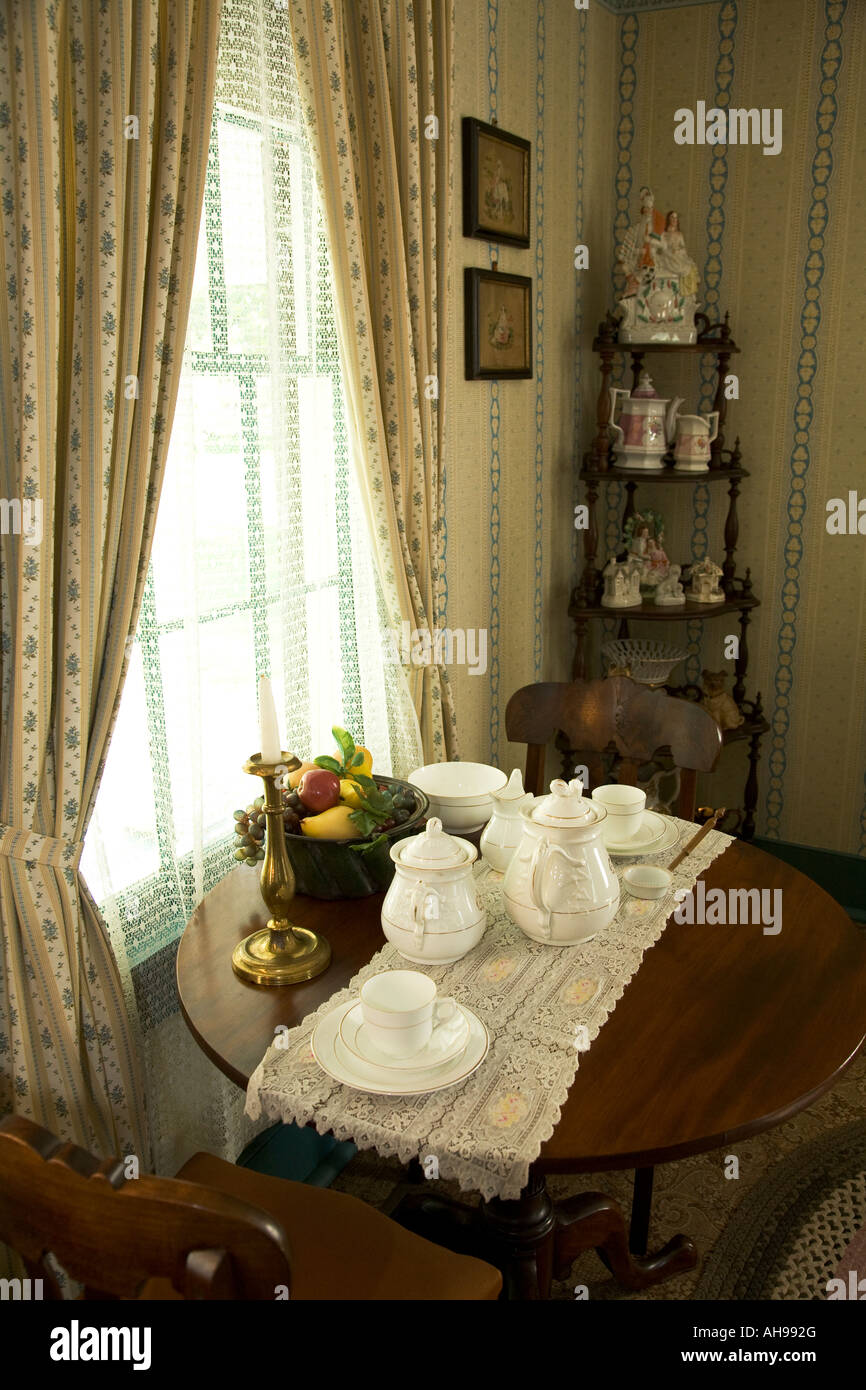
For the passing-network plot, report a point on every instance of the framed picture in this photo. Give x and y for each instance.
(498, 324)
(495, 184)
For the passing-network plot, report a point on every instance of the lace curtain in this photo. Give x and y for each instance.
(261, 562)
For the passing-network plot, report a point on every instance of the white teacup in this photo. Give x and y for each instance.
(400, 1010)
(625, 807)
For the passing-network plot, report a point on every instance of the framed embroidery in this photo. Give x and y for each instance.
(496, 175)
(498, 324)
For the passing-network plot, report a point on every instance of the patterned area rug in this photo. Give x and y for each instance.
(777, 1230)
(788, 1235)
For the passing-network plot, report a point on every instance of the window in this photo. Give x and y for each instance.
(260, 561)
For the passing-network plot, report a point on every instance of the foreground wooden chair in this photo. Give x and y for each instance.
(615, 713)
(215, 1231)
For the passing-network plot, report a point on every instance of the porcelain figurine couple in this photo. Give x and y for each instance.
(661, 278)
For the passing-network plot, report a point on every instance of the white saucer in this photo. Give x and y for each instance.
(637, 850)
(335, 1059)
(353, 1036)
(652, 828)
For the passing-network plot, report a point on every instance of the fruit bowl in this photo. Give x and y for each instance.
(353, 868)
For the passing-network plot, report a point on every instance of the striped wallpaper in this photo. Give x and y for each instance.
(775, 241)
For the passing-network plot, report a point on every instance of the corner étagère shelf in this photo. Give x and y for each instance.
(725, 467)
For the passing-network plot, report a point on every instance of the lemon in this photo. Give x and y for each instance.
(365, 768)
(349, 795)
(334, 824)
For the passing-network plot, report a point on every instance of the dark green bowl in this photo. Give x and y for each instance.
(334, 869)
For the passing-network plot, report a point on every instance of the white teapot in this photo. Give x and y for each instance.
(502, 833)
(560, 888)
(433, 912)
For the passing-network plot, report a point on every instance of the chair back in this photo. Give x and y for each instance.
(114, 1233)
(617, 714)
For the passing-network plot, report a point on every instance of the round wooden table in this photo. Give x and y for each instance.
(722, 1033)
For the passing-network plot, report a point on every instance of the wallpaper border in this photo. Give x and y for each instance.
(540, 38)
(717, 180)
(826, 112)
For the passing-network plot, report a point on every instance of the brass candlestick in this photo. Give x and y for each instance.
(280, 953)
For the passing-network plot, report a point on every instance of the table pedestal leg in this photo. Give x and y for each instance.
(593, 1220)
(531, 1239)
(519, 1238)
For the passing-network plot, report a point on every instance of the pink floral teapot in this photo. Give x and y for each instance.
(646, 425)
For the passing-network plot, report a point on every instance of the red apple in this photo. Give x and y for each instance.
(319, 789)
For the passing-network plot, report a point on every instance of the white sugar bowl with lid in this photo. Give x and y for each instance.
(433, 912)
(560, 888)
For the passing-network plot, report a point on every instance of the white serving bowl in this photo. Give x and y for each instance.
(460, 793)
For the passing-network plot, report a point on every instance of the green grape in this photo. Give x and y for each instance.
(252, 862)
(240, 854)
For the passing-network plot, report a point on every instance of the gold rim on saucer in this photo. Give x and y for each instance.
(326, 1034)
(413, 1063)
(628, 846)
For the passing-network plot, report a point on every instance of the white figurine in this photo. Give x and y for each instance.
(669, 591)
(621, 583)
(704, 583)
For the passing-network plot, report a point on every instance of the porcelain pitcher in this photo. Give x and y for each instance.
(559, 887)
(695, 434)
(502, 833)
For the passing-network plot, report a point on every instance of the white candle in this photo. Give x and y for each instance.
(272, 751)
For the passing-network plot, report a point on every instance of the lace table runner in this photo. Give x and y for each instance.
(542, 1005)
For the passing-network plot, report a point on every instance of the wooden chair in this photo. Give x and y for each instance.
(595, 716)
(215, 1231)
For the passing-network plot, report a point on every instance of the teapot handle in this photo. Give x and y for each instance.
(536, 878)
(615, 392)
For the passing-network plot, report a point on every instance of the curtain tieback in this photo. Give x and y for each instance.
(34, 848)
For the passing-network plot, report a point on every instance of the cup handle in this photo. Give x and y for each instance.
(444, 1009)
(445, 1015)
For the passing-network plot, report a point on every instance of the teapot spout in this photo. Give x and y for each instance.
(671, 418)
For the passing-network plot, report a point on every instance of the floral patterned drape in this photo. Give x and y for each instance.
(105, 113)
(373, 73)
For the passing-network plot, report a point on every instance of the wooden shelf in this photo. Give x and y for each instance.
(747, 729)
(658, 475)
(598, 467)
(702, 345)
(651, 612)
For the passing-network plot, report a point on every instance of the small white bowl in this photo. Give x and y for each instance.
(647, 881)
(460, 793)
